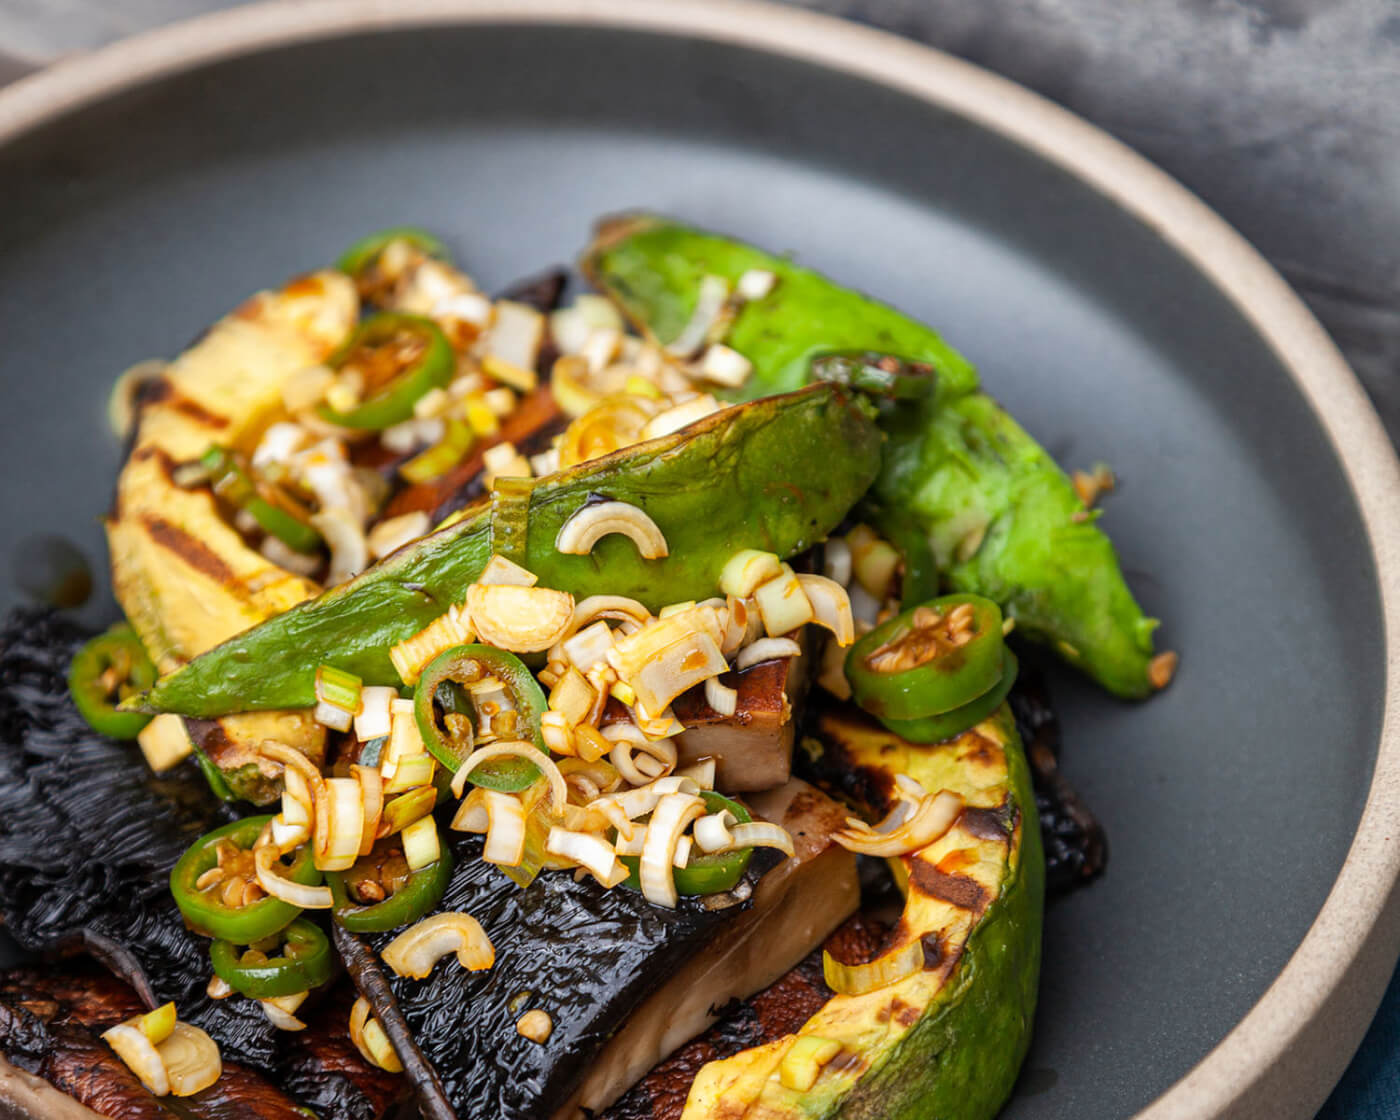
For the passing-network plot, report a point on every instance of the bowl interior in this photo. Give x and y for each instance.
(128, 226)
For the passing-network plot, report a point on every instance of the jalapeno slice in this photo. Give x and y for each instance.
(201, 896)
(365, 251)
(876, 374)
(398, 358)
(466, 681)
(946, 725)
(304, 963)
(407, 895)
(936, 657)
(277, 513)
(103, 673)
(704, 873)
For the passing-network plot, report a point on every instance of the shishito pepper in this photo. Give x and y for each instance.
(419, 892)
(203, 907)
(444, 684)
(962, 483)
(399, 358)
(928, 660)
(105, 671)
(305, 962)
(759, 476)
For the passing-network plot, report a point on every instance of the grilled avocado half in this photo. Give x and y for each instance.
(184, 576)
(946, 1042)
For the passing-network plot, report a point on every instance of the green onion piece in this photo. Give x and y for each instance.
(338, 688)
(437, 460)
(510, 517)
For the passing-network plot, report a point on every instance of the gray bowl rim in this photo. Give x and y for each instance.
(1295, 1042)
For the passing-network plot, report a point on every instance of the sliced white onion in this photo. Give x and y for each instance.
(766, 649)
(682, 856)
(638, 759)
(591, 523)
(659, 669)
(516, 748)
(415, 951)
(709, 310)
(600, 348)
(515, 334)
(746, 570)
(373, 719)
(278, 886)
(345, 537)
(702, 773)
(339, 824)
(680, 416)
(724, 366)
(782, 603)
(761, 834)
(280, 1011)
(832, 674)
(164, 742)
(453, 628)
(121, 404)
(910, 826)
(865, 608)
(519, 619)
(755, 283)
(588, 646)
(191, 1060)
(632, 614)
(421, 845)
(293, 759)
(370, 1040)
(393, 533)
(831, 607)
(712, 831)
(507, 573)
(328, 715)
(571, 326)
(501, 817)
(836, 560)
(738, 613)
(721, 697)
(669, 820)
(631, 845)
(300, 563)
(588, 850)
(371, 803)
(279, 444)
(286, 836)
(890, 968)
(139, 1055)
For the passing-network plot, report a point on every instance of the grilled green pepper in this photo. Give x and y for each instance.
(928, 660)
(230, 848)
(398, 358)
(997, 515)
(945, 725)
(451, 738)
(418, 893)
(105, 671)
(305, 963)
(775, 453)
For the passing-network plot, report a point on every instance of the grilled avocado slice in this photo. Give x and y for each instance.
(944, 1043)
(184, 576)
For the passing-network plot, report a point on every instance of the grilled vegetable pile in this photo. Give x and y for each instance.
(522, 693)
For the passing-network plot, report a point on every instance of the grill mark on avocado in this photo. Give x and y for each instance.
(957, 890)
(192, 550)
(990, 824)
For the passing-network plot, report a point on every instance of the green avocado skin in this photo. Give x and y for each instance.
(969, 497)
(761, 476)
(961, 1059)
